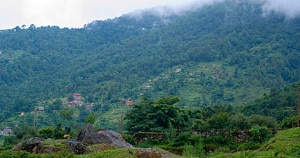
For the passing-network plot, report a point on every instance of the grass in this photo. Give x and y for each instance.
(286, 143)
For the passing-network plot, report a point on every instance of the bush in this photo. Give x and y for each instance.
(129, 139)
(15, 154)
(260, 134)
(288, 122)
(46, 132)
(9, 142)
(248, 146)
(182, 139)
(260, 120)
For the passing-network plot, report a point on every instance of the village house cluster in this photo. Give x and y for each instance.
(76, 100)
(6, 132)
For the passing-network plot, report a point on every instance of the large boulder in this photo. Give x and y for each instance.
(89, 136)
(47, 149)
(114, 138)
(77, 147)
(32, 145)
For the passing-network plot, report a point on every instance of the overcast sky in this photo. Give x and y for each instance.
(76, 13)
(70, 13)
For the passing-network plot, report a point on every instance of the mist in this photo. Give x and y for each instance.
(290, 8)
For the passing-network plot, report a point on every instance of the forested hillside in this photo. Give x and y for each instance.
(226, 53)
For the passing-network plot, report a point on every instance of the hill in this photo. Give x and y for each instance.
(225, 53)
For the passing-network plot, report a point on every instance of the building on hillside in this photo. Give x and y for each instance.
(128, 102)
(178, 70)
(40, 109)
(77, 97)
(76, 100)
(6, 132)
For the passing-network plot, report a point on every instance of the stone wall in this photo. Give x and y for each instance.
(238, 135)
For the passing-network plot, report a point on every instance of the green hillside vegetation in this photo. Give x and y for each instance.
(285, 144)
(226, 53)
(218, 60)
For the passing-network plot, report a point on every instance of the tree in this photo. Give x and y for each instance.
(66, 113)
(239, 121)
(156, 116)
(58, 131)
(46, 132)
(260, 134)
(25, 132)
(261, 120)
(218, 121)
(91, 118)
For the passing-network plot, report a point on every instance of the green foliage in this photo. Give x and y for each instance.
(58, 132)
(25, 132)
(260, 134)
(10, 141)
(129, 138)
(46, 132)
(156, 116)
(66, 113)
(170, 134)
(248, 146)
(260, 120)
(218, 121)
(120, 152)
(224, 51)
(239, 121)
(188, 150)
(15, 154)
(91, 118)
(288, 122)
(182, 139)
(285, 144)
(218, 140)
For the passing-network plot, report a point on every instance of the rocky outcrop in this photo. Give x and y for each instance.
(49, 149)
(32, 145)
(113, 138)
(89, 136)
(77, 147)
(86, 137)
(153, 153)
(148, 153)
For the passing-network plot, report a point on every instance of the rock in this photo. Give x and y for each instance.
(49, 149)
(88, 136)
(114, 138)
(77, 147)
(148, 153)
(32, 145)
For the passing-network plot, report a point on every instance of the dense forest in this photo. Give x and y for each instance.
(226, 54)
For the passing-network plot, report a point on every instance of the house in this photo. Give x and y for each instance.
(77, 97)
(178, 70)
(128, 102)
(76, 100)
(7, 131)
(40, 109)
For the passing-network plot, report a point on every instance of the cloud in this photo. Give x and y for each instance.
(290, 8)
(174, 8)
(76, 13)
(69, 13)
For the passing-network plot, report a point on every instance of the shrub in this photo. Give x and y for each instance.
(260, 134)
(248, 146)
(182, 139)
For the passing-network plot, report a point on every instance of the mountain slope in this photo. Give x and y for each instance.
(226, 53)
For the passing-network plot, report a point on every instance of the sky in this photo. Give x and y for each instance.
(76, 13)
